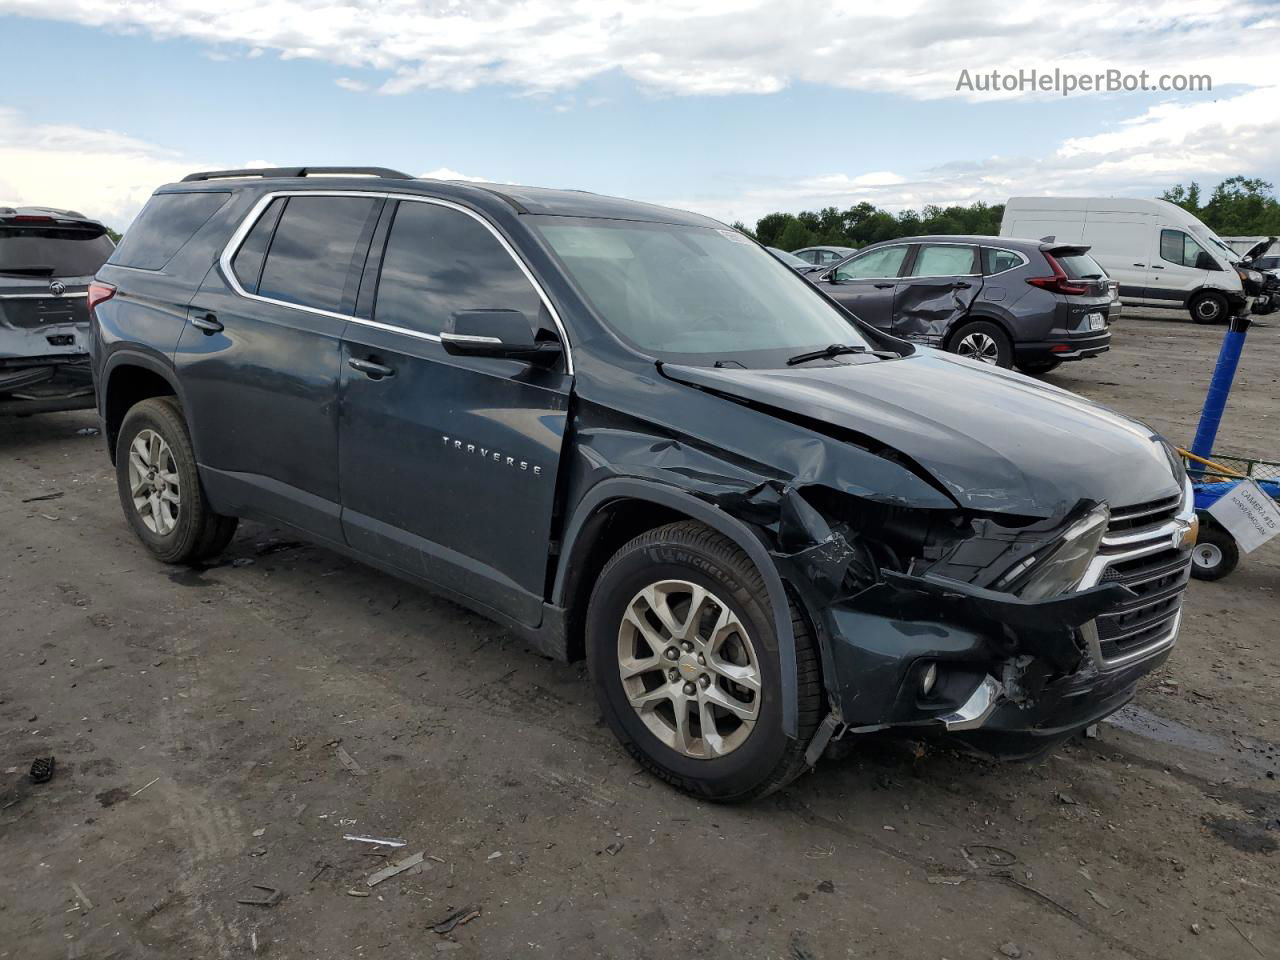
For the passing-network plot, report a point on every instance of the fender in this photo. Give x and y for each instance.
(623, 488)
(978, 313)
(134, 356)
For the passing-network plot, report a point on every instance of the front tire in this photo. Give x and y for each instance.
(684, 658)
(160, 489)
(983, 341)
(1209, 308)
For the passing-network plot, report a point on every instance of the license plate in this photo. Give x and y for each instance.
(1096, 321)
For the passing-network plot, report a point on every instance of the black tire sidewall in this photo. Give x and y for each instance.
(741, 771)
(1226, 544)
(162, 417)
(1004, 345)
(1215, 298)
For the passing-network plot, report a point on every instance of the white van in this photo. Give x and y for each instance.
(1159, 253)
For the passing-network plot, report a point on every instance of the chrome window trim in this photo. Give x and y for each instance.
(1017, 253)
(252, 217)
(43, 296)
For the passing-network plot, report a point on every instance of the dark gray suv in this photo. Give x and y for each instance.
(631, 435)
(1025, 303)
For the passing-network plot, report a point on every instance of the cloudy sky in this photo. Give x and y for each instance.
(731, 107)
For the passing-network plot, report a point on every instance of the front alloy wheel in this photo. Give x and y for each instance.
(689, 669)
(979, 346)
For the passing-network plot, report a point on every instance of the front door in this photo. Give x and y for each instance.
(259, 361)
(940, 286)
(865, 284)
(448, 464)
(1180, 265)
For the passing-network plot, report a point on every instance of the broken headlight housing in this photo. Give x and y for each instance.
(1059, 567)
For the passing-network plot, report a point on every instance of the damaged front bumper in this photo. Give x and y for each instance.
(1006, 676)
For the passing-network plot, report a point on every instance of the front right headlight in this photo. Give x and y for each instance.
(1059, 567)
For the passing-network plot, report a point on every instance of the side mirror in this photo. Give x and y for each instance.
(498, 333)
(1205, 261)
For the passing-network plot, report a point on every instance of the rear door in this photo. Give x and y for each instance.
(1121, 242)
(940, 285)
(449, 464)
(865, 284)
(260, 356)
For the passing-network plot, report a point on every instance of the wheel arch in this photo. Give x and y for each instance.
(616, 510)
(971, 317)
(128, 378)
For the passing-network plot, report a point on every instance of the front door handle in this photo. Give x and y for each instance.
(1156, 266)
(884, 286)
(962, 285)
(371, 369)
(1139, 264)
(208, 323)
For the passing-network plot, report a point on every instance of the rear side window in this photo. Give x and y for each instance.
(944, 260)
(885, 262)
(314, 248)
(998, 261)
(1080, 266)
(247, 264)
(30, 251)
(165, 224)
(439, 261)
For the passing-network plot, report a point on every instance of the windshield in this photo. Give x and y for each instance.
(1214, 241)
(52, 252)
(695, 293)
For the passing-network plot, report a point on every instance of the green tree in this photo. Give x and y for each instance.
(769, 227)
(794, 236)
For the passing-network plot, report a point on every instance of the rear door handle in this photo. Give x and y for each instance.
(372, 370)
(884, 286)
(1156, 266)
(208, 323)
(1139, 264)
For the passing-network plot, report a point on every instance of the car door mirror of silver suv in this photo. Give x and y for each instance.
(498, 333)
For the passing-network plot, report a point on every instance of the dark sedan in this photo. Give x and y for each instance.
(1025, 303)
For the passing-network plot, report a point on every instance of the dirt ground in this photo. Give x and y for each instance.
(201, 720)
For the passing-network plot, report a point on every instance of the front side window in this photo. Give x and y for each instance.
(315, 244)
(439, 261)
(691, 294)
(944, 260)
(1178, 247)
(877, 264)
(808, 256)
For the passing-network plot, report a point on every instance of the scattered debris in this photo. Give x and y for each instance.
(1091, 732)
(1195, 928)
(400, 866)
(297, 743)
(243, 562)
(144, 786)
(109, 798)
(994, 856)
(1066, 798)
(260, 831)
(87, 432)
(950, 881)
(456, 919)
(1011, 950)
(41, 770)
(614, 848)
(357, 893)
(349, 762)
(323, 868)
(384, 841)
(75, 887)
(495, 855)
(44, 496)
(270, 899)
(1093, 895)
(258, 852)
(826, 886)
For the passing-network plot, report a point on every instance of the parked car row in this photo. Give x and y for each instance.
(630, 434)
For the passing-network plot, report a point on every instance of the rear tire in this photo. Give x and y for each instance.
(723, 753)
(1038, 368)
(1209, 308)
(1215, 554)
(983, 341)
(160, 489)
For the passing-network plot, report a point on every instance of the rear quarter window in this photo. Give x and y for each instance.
(1080, 266)
(163, 228)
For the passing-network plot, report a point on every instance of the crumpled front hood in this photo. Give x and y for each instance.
(996, 441)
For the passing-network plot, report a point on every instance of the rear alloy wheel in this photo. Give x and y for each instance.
(684, 656)
(159, 486)
(1209, 308)
(984, 342)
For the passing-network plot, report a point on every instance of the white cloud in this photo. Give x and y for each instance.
(100, 173)
(355, 86)
(913, 47)
(448, 173)
(1167, 144)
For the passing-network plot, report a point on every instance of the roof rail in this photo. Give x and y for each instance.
(296, 172)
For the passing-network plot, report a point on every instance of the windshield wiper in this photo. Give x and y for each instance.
(826, 353)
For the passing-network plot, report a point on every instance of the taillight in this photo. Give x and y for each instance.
(1059, 282)
(99, 293)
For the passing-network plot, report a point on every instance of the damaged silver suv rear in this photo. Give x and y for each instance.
(47, 259)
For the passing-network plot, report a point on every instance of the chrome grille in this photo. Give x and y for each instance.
(1140, 550)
